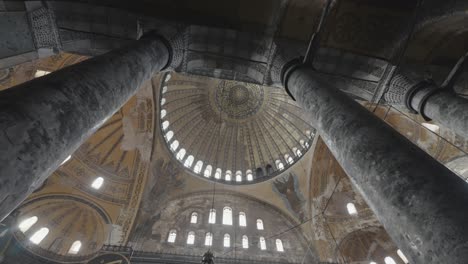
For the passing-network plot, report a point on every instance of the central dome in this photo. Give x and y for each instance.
(238, 100)
(229, 131)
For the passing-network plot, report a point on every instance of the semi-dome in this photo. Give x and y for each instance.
(62, 227)
(229, 131)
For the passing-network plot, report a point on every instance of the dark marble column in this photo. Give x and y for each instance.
(45, 120)
(421, 203)
(433, 103)
(448, 109)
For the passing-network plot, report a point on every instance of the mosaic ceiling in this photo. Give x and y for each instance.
(231, 132)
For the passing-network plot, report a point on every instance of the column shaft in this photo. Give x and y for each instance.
(46, 119)
(445, 108)
(421, 203)
(430, 101)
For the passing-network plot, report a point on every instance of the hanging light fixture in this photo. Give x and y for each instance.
(208, 258)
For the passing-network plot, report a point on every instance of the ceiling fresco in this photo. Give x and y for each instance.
(133, 158)
(69, 218)
(147, 191)
(231, 132)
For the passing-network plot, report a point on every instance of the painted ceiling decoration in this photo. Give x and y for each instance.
(67, 219)
(237, 133)
(229, 131)
(367, 243)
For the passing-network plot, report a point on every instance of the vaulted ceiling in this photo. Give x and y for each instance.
(142, 177)
(144, 180)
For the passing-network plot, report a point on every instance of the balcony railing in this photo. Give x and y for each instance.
(142, 257)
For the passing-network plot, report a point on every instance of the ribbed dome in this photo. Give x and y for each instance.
(234, 132)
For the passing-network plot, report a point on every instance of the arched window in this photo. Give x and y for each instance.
(227, 240)
(164, 90)
(169, 135)
(75, 248)
(351, 209)
(27, 223)
(259, 224)
(208, 239)
(279, 165)
(172, 236)
(297, 152)
(279, 245)
(174, 145)
(238, 176)
(269, 169)
(249, 175)
(163, 101)
(218, 173)
(208, 170)
(191, 238)
(39, 235)
(181, 154)
(65, 160)
(242, 219)
(198, 166)
(165, 125)
(189, 161)
(163, 113)
(194, 218)
(227, 216)
(302, 142)
(212, 217)
(259, 172)
(402, 256)
(288, 159)
(262, 243)
(389, 260)
(168, 77)
(245, 241)
(97, 183)
(228, 175)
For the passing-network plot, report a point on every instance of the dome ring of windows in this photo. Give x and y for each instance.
(231, 132)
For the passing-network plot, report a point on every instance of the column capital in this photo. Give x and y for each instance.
(154, 35)
(286, 71)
